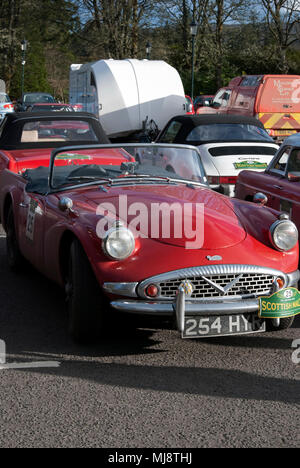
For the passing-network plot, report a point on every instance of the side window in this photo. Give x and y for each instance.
(251, 80)
(170, 133)
(293, 166)
(279, 165)
(221, 98)
(226, 98)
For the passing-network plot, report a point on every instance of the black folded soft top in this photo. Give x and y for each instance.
(12, 126)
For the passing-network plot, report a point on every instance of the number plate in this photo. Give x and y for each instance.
(197, 327)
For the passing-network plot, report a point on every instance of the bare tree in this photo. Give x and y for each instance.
(9, 23)
(117, 24)
(282, 18)
(218, 14)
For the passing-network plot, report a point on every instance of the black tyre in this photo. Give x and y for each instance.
(170, 169)
(15, 259)
(284, 324)
(85, 303)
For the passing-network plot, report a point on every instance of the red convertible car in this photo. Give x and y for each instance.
(121, 237)
(26, 140)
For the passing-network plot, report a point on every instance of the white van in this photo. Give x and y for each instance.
(126, 95)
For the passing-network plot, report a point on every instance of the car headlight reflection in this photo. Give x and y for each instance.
(284, 235)
(119, 243)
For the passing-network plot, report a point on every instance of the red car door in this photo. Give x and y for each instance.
(31, 227)
(289, 187)
(272, 183)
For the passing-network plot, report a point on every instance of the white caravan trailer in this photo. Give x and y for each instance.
(127, 94)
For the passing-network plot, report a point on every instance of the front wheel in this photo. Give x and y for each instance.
(85, 303)
(283, 325)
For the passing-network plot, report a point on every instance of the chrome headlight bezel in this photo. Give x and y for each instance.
(273, 233)
(128, 240)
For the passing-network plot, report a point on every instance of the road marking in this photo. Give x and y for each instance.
(29, 365)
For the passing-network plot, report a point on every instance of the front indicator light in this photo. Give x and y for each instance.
(151, 290)
(279, 282)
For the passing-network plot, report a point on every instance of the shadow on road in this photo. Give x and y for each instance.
(212, 382)
(33, 323)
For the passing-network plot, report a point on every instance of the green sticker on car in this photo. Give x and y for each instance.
(72, 156)
(283, 303)
(250, 165)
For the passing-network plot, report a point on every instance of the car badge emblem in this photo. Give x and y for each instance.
(187, 287)
(214, 258)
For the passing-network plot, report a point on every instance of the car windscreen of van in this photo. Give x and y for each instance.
(228, 132)
(280, 94)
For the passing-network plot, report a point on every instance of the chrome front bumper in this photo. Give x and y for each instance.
(167, 309)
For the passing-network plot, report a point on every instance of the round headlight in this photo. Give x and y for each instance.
(284, 235)
(119, 243)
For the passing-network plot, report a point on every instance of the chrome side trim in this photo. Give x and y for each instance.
(293, 278)
(121, 289)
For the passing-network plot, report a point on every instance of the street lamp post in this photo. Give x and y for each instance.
(23, 48)
(148, 50)
(193, 31)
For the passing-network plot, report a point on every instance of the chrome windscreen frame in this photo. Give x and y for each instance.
(69, 148)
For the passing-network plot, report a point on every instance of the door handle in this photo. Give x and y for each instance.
(278, 187)
(23, 205)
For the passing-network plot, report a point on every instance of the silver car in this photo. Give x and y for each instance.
(5, 105)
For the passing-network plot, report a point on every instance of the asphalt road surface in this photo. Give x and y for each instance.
(141, 387)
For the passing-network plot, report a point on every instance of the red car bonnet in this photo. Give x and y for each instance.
(222, 227)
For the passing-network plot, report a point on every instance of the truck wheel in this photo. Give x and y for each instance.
(85, 302)
(16, 260)
(284, 324)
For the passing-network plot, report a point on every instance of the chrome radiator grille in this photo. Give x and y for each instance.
(247, 284)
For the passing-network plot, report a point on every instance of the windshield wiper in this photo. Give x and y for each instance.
(134, 178)
(86, 177)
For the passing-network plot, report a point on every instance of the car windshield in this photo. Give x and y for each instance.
(41, 131)
(4, 98)
(227, 132)
(150, 163)
(38, 97)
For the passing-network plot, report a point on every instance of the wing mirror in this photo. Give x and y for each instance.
(65, 204)
(260, 198)
(293, 178)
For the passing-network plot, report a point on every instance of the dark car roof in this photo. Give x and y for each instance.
(292, 140)
(195, 120)
(12, 125)
(189, 122)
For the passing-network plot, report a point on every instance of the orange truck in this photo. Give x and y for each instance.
(273, 99)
